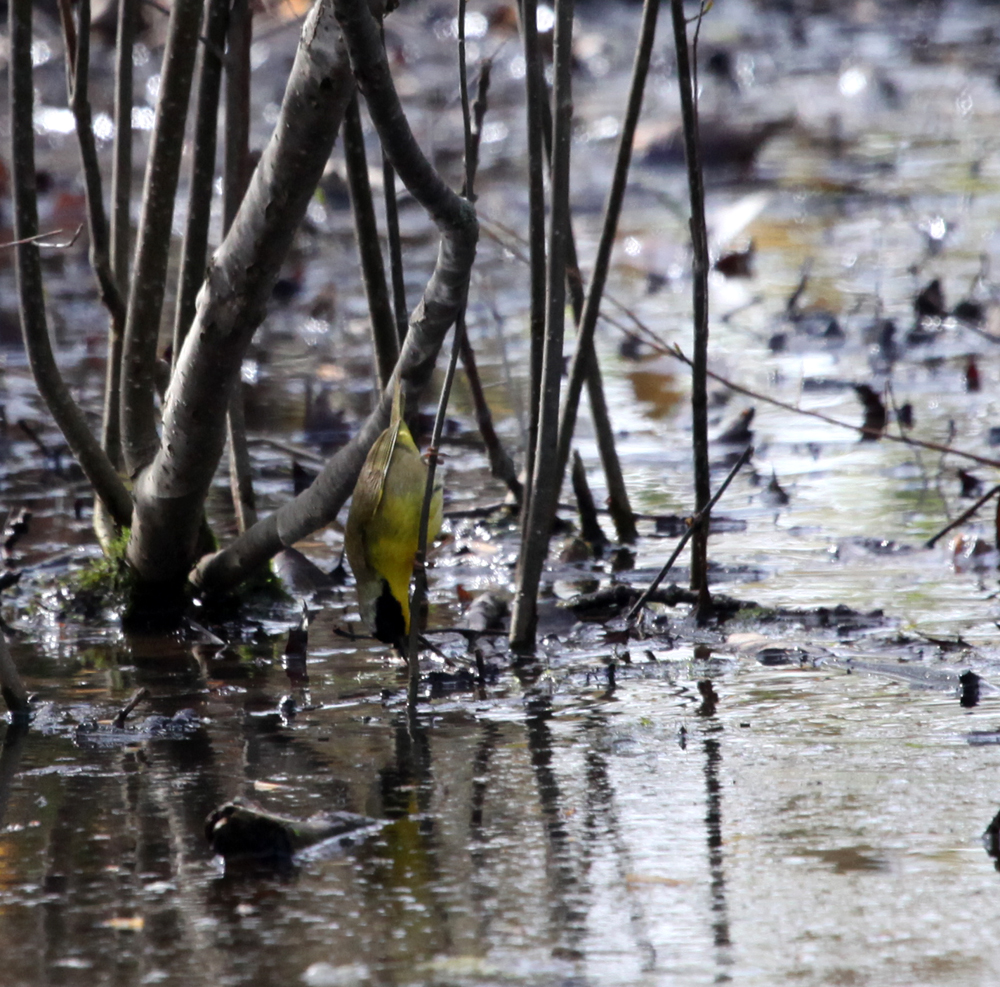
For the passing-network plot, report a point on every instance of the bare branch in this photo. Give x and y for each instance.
(433, 316)
(121, 224)
(77, 81)
(38, 237)
(536, 102)
(612, 211)
(170, 494)
(142, 324)
(385, 337)
(678, 354)
(699, 246)
(544, 483)
(701, 518)
(963, 517)
(194, 252)
(68, 417)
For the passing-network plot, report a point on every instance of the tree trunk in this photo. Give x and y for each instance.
(170, 493)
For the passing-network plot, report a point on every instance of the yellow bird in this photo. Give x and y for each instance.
(383, 526)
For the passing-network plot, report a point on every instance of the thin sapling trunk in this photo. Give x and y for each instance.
(142, 325)
(699, 364)
(234, 186)
(544, 484)
(31, 295)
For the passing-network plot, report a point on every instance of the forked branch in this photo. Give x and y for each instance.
(434, 315)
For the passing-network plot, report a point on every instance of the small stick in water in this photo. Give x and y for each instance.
(703, 513)
(590, 528)
(123, 713)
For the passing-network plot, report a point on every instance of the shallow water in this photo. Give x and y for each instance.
(816, 825)
(595, 816)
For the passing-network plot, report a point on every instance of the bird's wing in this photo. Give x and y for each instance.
(371, 482)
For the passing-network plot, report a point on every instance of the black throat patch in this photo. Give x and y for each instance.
(390, 627)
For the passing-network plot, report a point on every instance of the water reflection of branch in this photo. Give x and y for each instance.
(10, 757)
(481, 762)
(566, 911)
(412, 843)
(601, 809)
(480, 890)
(716, 861)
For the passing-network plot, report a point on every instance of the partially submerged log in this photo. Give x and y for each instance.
(242, 830)
(11, 687)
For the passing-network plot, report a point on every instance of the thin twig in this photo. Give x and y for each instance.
(931, 542)
(121, 173)
(590, 528)
(237, 137)
(479, 108)
(463, 88)
(699, 245)
(121, 227)
(194, 250)
(700, 518)
(240, 466)
(236, 177)
(658, 345)
(612, 211)
(77, 43)
(666, 349)
(678, 354)
(126, 710)
(535, 98)
(295, 451)
(395, 244)
(393, 240)
(31, 293)
(110, 286)
(501, 465)
(140, 436)
(384, 328)
(38, 237)
(419, 595)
